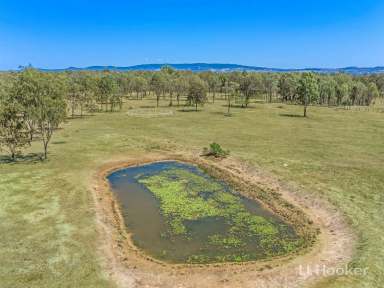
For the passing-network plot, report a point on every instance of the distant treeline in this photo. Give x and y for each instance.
(34, 103)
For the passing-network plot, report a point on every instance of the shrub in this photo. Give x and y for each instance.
(215, 150)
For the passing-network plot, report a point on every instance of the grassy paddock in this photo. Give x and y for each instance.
(47, 229)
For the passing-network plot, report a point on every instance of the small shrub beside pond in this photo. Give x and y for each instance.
(215, 150)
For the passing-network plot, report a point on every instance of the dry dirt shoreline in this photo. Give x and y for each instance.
(128, 267)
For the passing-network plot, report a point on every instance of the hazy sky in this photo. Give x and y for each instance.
(279, 33)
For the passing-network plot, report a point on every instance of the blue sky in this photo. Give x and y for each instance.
(279, 33)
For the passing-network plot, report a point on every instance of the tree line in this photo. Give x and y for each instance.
(34, 103)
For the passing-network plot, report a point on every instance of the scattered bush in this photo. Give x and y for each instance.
(215, 150)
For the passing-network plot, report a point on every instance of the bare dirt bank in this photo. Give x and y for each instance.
(129, 267)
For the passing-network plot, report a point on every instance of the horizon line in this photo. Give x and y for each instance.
(195, 63)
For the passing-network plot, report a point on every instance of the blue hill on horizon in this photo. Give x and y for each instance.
(220, 67)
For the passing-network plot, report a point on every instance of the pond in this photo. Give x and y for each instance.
(177, 213)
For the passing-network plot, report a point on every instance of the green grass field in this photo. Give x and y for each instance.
(47, 228)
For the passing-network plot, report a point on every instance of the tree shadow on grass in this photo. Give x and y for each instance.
(59, 142)
(222, 113)
(148, 106)
(189, 110)
(217, 112)
(291, 115)
(78, 117)
(30, 158)
(238, 106)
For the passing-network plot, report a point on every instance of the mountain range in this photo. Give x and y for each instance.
(218, 67)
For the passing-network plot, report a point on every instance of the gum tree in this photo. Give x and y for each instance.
(139, 85)
(26, 91)
(270, 85)
(73, 95)
(358, 93)
(372, 93)
(233, 89)
(86, 98)
(197, 92)
(181, 87)
(158, 84)
(308, 90)
(106, 90)
(249, 84)
(51, 109)
(213, 82)
(169, 74)
(14, 134)
(327, 90)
